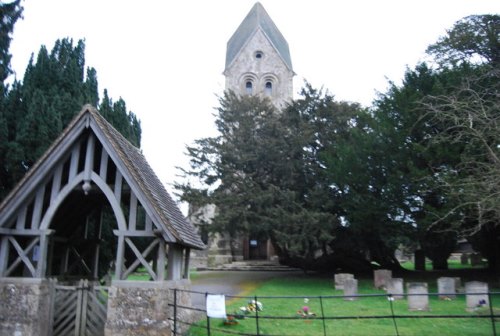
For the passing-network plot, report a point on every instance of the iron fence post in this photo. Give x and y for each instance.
(322, 315)
(257, 316)
(491, 314)
(208, 318)
(391, 299)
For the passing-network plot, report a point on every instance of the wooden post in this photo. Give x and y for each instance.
(174, 262)
(119, 257)
(4, 255)
(160, 264)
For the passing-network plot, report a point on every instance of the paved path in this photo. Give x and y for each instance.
(229, 283)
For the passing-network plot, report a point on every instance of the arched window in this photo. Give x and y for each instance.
(268, 90)
(249, 87)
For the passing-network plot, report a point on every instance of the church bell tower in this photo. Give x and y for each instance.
(258, 59)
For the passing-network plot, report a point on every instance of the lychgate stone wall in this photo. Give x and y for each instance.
(138, 308)
(24, 307)
(146, 308)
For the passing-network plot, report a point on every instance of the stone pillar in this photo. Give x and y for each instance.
(340, 278)
(476, 295)
(24, 307)
(418, 296)
(446, 288)
(350, 289)
(395, 287)
(138, 308)
(381, 277)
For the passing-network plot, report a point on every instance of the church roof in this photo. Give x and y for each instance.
(132, 165)
(257, 18)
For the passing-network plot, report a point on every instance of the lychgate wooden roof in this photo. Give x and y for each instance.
(129, 160)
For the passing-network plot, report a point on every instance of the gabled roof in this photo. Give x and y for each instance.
(256, 19)
(132, 165)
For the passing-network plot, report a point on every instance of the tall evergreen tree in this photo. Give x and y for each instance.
(9, 14)
(36, 110)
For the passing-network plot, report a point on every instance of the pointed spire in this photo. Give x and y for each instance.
(257, 18)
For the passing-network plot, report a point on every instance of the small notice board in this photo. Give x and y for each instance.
(216, 305)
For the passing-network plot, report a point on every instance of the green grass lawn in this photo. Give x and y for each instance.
(452, 265)
(313, 287)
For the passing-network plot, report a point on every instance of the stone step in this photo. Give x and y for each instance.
(254, 265)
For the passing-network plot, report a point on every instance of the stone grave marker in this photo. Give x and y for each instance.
(475, 259)
(350, 288)
(446, 288)
(464, 259)
(476, 295)
(395, 287)
(418, 296)
(340, 278)
(459, 288)
(380, 278)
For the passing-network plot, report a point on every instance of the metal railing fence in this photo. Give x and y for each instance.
(180, 326)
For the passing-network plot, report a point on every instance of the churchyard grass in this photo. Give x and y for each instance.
(312, 287)
(452, 265)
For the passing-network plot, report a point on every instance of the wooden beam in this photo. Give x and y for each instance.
(132, 218)
(119, 257)
(24, 232)
(174, 262)
(103, 169)
(118, 186)
(140, 258)
(21, 218)
(37, 208)
(22, 256)
(56, 182)
(149, 223)
(134, 233)
(4, 255)
(75, 156)
(89, 157)
(161, 261)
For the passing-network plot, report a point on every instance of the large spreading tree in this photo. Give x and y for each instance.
(335, 185)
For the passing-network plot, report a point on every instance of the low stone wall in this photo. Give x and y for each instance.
(24, 307)
(142, 308)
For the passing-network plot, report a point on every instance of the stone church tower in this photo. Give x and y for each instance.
(258, 59)
(257, 63)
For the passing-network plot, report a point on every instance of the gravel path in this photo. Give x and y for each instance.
(229, 283)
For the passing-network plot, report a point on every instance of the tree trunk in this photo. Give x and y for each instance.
(419, 260)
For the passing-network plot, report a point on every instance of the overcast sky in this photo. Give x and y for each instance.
(166, 58)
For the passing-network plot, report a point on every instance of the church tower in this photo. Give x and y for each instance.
(258, 59)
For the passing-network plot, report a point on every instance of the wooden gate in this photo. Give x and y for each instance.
(78, 310)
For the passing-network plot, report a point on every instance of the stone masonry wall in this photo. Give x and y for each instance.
(24, 307)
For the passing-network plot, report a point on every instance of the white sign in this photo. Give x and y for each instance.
(216, 306)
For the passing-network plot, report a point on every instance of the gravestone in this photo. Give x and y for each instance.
(418, 296)
(340, 278)
(395, 287)
(446, 288)
(381, 277)
(475, 259)
(459, 288)
(476, 295)
(464, 259)
(350, 289)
